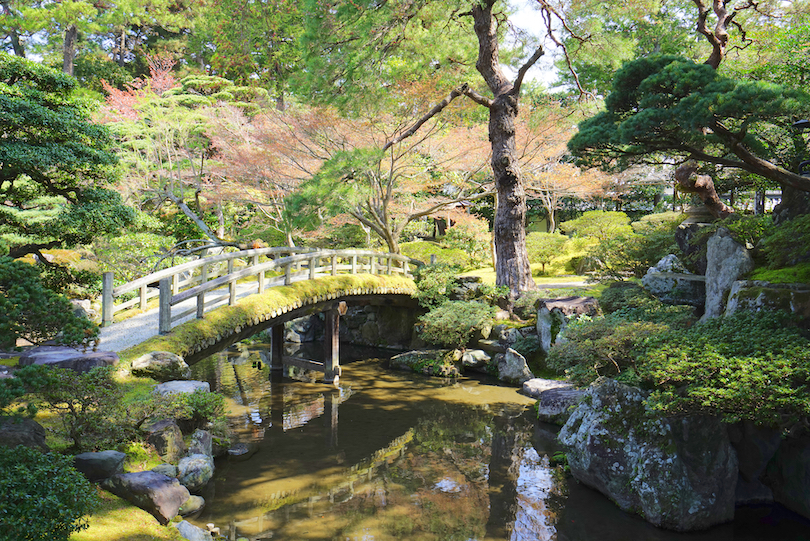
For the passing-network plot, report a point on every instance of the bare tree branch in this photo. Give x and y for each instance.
(525, 67)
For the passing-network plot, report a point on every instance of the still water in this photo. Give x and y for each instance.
(391, 455)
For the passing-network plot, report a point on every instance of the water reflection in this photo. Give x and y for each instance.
(397, 456)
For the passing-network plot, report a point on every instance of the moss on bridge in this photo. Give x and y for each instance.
(218, 324)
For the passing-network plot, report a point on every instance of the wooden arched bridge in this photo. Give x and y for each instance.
(221, 299)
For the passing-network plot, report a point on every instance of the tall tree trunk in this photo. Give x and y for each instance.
(16, 45)
(69, 49)
(122, 47)
(512, 259)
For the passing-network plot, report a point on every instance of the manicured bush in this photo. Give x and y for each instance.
(454, 323)
(435, 283)
(42, 497)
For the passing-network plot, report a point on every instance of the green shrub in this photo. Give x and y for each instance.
(473, 238)
(454, 323)
(744, 367)
(203, 407)
(653, 240)
(42, 497)
(435, 283)
(598, 224)
(87, 406)
(786, 245)
(29, 310)
(602, 347)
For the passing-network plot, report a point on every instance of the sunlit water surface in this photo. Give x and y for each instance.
(391, 455)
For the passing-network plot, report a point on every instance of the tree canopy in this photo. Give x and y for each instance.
(54, 163)
(666, 108)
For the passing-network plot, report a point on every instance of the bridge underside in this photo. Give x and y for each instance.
(332, 308)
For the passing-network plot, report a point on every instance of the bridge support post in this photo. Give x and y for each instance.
(331, 344)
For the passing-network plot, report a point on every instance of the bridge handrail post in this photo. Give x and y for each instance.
(390, 262)
(107, 299)
(372, 265)
(165, 306)
(231, 285)
(313, 266)
(354, 263)
(287, 274)
(334, 265)
(175, 283)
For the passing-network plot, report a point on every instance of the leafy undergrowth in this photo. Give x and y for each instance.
(117, 520)
(221, 322)
(743, 367)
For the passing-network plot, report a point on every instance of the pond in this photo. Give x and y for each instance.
(393, 455)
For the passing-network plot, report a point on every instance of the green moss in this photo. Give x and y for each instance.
(796, 274)
(221, 322)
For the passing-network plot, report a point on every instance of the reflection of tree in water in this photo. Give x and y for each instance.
(469, 473)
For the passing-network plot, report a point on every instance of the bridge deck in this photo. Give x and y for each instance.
(139, 328)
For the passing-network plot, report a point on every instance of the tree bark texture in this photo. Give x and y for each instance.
(69, 49)
(512, 259)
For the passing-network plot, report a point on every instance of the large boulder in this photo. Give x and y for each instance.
(67, 357)
(788, 475)
(193, 505)
(512, 367)
(201, 443)
(16, 431)
(553, 316)
(555, 399)
(154, 493)
(99, 466)
(476, 359)
(669, 281)
(688, 231)
(679, 474)
(727, 260)
(191, 532)
(177, 387)
(194, 471)
(167, 439)
(755, 295)
(161, 366)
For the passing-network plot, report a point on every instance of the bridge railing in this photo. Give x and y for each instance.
(200, 279)
(182, 277)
